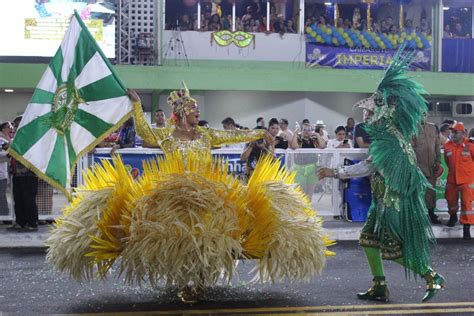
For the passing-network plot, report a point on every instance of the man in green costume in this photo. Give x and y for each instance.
(397, 227)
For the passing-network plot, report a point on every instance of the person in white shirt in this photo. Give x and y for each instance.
(5, 131)
(340, 141)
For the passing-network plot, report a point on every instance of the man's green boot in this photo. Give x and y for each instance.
(378, 292)
(434, 283)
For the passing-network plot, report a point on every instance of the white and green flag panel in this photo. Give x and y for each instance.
(77, 103)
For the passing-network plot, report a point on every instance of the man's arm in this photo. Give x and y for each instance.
(362, 169)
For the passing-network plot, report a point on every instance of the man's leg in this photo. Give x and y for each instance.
(430, 199)
(30, 188)
(451, 196)
(467, 215)
(18, 200)
(434, 280)
(379, 291)
(371, 245)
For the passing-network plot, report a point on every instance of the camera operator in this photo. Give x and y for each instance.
(252, 154)
(307, 138)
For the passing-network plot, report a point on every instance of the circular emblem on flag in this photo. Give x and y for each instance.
(64, 108)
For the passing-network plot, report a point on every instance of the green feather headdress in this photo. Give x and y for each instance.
(398, 100)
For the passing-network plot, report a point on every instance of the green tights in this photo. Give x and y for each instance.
(374, 259)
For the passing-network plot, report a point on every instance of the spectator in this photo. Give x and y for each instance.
(5, 139)
(279, 25)
(284, 131)
(384, 28)
(229, 125)
(252, 154)
(362, 139)
(428, 156)
(239, 26)
(340, 22)
(320, 129)
(340, 141)
(347, 24)
(305, 163)
(226, 22)
(322, 20)
(256, 27)
(274, 129)
(215, 23)
(307, 138)
(350, 128)
(444, 133)
(203, 123)
(263, 25)
(305, 121)
(389, 21)
(459, 32)
(394, 30)
(260, 123)
(424, 27)
(459, 156)
(203, 26)
(356, 17)
(447, 32)
(185, 23)
(408, 27)
(160, 119)
(247, 16)
(25, 188)
(127, 137)
(290, 26)
(251, 26)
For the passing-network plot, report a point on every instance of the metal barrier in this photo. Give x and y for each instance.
(325, 195)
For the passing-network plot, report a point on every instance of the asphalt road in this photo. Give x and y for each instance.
(29, 285)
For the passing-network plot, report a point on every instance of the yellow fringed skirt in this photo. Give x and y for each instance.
(186, 220)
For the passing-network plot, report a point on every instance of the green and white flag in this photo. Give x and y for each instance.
(77, 103)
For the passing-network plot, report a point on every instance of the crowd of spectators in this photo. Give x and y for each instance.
(213, 18)
(356, 19)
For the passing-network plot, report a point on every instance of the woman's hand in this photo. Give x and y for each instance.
(133, 95)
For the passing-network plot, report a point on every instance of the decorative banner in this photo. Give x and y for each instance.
(135, 160)
(359, 58)
(239, 38)
(77, 103)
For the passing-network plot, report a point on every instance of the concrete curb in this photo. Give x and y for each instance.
(342, 231)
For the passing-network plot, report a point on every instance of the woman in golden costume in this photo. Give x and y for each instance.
(186, 220)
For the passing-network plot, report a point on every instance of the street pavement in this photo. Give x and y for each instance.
(29, 286)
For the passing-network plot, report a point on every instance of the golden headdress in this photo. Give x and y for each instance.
(179, 99)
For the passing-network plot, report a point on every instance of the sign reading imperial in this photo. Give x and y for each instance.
(318, 55)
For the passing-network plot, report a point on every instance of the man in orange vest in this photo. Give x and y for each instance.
(459, 155)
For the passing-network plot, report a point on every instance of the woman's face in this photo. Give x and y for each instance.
(307, 131)
(192, 114)
(340, 136)
(7, 129)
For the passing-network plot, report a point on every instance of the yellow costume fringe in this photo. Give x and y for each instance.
(186, 221)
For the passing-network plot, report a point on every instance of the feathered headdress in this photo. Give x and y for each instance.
(398, 99)
(178, 100)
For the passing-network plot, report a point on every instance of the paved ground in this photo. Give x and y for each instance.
(30, 286)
